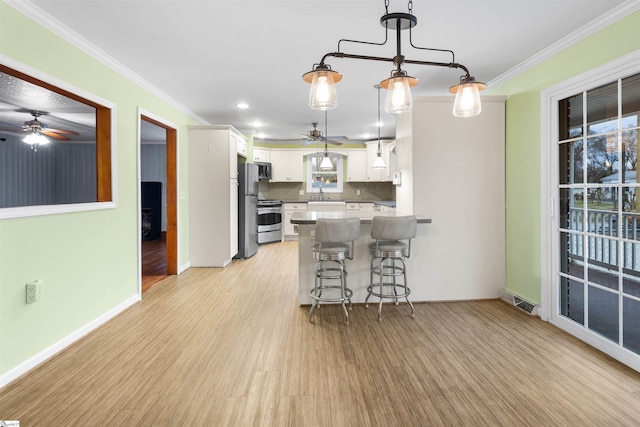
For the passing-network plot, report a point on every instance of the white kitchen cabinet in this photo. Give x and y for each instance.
(367, 207)
(287, 166)
(289, 231)
(381, 175)
(357, 166)
(241, 145)
(389, 156)
(261, 155)
(213, 195)
(373, 175)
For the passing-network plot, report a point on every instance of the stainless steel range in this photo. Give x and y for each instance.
(269, 221)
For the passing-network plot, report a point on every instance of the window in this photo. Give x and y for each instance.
(329, 180)
(68, 170)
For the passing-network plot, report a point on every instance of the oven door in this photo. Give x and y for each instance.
(269, 219)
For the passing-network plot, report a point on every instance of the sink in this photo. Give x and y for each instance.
(326, 205)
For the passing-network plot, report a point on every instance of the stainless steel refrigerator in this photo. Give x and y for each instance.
(247, 210)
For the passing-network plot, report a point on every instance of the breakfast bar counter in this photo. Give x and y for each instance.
(358, 268)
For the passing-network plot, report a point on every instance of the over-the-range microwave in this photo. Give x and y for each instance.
(264, 171)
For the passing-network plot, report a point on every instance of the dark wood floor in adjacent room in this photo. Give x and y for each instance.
(232, 347)
(154, 261)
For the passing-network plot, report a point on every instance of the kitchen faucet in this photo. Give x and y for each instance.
(321, 197)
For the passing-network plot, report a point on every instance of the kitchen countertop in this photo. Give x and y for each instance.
(389, 203)
(309, 218)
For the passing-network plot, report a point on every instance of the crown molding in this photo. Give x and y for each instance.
(598, 24)
(61, 30)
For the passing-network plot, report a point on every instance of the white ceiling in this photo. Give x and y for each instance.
(208, 55)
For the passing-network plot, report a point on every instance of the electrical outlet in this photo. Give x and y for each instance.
(34, 291)
(301, 193)
(357, 192)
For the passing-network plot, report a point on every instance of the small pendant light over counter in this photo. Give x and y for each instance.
(378, 163)
(326, 164)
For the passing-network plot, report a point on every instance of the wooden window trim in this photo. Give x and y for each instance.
(104, 159)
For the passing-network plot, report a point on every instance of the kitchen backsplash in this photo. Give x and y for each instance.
(290, 191)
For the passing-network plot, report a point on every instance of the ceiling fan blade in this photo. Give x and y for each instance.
(10, 125)
(331, 141)
(63, 131)
(338, 137)
(308, 141)
(54, 135)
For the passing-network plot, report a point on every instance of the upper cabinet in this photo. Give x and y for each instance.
(240, 143)
(288, 166)
(261, 155)
(360, 164)
(357, 166)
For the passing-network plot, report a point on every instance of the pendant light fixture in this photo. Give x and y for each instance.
(378, 163)
(325, 164)
(323, 94)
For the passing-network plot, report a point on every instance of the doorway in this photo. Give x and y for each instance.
(592, 284)
(158, 201)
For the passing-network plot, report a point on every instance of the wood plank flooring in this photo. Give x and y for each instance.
(231, 347)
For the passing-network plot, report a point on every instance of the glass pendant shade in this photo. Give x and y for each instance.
(399, 98)
(36, 138)
(378, 163)
(323, 94)
(467, 103)
(326, 163)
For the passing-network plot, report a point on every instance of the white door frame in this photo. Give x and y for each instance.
(549, 308)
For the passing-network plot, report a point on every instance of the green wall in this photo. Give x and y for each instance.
(87, 260)
(523, 143)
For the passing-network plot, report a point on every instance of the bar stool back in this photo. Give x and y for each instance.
(334, 244)
(391, 248)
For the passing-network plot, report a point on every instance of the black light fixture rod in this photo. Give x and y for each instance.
(406, 61)
(386, 37)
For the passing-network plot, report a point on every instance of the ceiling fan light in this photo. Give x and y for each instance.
(378, 163)
(35, 138)
(467, 102)
(323, 95)
(399, 99)
(326, 163)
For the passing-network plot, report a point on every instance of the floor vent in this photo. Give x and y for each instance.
(520, 303)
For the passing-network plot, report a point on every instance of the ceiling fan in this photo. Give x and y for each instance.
(316, 136)
(35, 126)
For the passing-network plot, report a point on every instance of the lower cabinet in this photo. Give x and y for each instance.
(289, 230)
(367, 207)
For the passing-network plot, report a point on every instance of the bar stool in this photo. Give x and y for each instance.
(334, 243)
(391, 248)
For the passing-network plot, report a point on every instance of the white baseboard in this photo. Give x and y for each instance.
(52, 350)
(184, 267)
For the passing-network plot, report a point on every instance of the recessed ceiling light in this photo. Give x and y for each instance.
(366, 135)
(242, 105)
(257, 124)
(260, 135)
(379, 124)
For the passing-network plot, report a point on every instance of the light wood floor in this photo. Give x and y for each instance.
(232, 347)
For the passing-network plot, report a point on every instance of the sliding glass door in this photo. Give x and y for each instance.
(598, 233)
